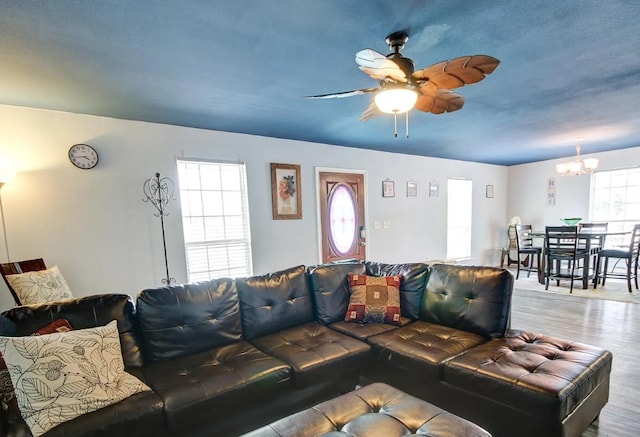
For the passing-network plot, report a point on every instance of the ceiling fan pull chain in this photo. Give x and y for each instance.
(406, 127)
(395, 124)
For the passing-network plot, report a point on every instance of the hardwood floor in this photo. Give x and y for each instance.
(611, 325)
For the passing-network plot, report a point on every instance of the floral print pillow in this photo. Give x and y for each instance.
(58, 377)
(40, 286)
(7, 395)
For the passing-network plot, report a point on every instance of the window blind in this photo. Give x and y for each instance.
(215, 217)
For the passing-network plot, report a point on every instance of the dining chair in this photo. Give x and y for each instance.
(596, 243)
(525, 248)
(630, 256)
(14, 268)
(562, 255)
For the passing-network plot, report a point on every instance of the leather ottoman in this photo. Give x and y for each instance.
(374, 410)
(530, 384)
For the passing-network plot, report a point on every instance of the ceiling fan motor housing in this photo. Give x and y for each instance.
(396, 42)
(405, 64)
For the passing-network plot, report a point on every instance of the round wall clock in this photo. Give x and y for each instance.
(83, 156)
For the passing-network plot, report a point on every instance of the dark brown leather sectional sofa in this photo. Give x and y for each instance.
(229, 355)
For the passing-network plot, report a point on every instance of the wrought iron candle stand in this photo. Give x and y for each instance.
(159, 192)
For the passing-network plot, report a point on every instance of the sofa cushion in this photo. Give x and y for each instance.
(219, 380)
(40, 286)
(420, 348)
(61, 376)
(142, 412)
(535, 372)
(330, 289)
(473, 299)
(186, 319)
(374, 299)
(84, 312)
(315, 352)
(412, 286)
(362, 331)
(275, 301)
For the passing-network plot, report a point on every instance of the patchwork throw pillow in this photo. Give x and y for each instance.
(374, 299)
(58, 377)
(40, 286)
(7, 394)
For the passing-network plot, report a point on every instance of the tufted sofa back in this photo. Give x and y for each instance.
(330, 289)
(84, 312)
(190, 318)
(412, 284)
(275, 301)
(473, 299)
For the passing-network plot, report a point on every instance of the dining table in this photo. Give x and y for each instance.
(585, 239)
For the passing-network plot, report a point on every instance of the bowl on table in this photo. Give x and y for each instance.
(571, 221)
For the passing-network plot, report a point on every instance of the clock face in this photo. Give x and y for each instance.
(83, 156)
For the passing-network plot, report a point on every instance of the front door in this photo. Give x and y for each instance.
(342, 221)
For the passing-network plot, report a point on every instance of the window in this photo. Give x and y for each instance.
(615, 199)
(459, 218)
(215, 218)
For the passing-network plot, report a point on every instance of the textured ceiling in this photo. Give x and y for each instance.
(569, 69)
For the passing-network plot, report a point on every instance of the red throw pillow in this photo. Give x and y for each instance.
(374, 299)
(60, 325)
(7, 394)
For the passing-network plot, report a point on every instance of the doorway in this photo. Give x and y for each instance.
(341, 199)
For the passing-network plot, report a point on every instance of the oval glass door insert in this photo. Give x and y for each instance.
(342, 219)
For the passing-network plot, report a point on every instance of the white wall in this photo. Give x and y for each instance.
(95, 227)
(527, 196)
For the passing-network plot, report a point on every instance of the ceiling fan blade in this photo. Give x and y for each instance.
(342, 94)
(438, 100)
(371, 111)
(457, 72)
(378, 66)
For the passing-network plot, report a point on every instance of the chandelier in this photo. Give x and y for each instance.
(577, 166)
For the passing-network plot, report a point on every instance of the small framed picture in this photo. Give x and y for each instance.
(489, 191)
(285, 192)
(434, 189)
(388, 188)
(412, 189)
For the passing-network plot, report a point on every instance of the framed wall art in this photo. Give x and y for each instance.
(412, 189)
(489, 191)
(388, 188)
(434, 189)
(286, 197)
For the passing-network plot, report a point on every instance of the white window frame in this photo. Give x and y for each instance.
(614, 197)
(215, 218)
(459, 218)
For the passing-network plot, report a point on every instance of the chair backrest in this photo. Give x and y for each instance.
(595, 227)
(14, 268)
(561, 240)
(523, 236)
(634, 245)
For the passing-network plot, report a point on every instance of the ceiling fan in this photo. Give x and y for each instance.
(401, 88)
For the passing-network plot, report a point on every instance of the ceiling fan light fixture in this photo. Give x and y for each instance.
(396, 100)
